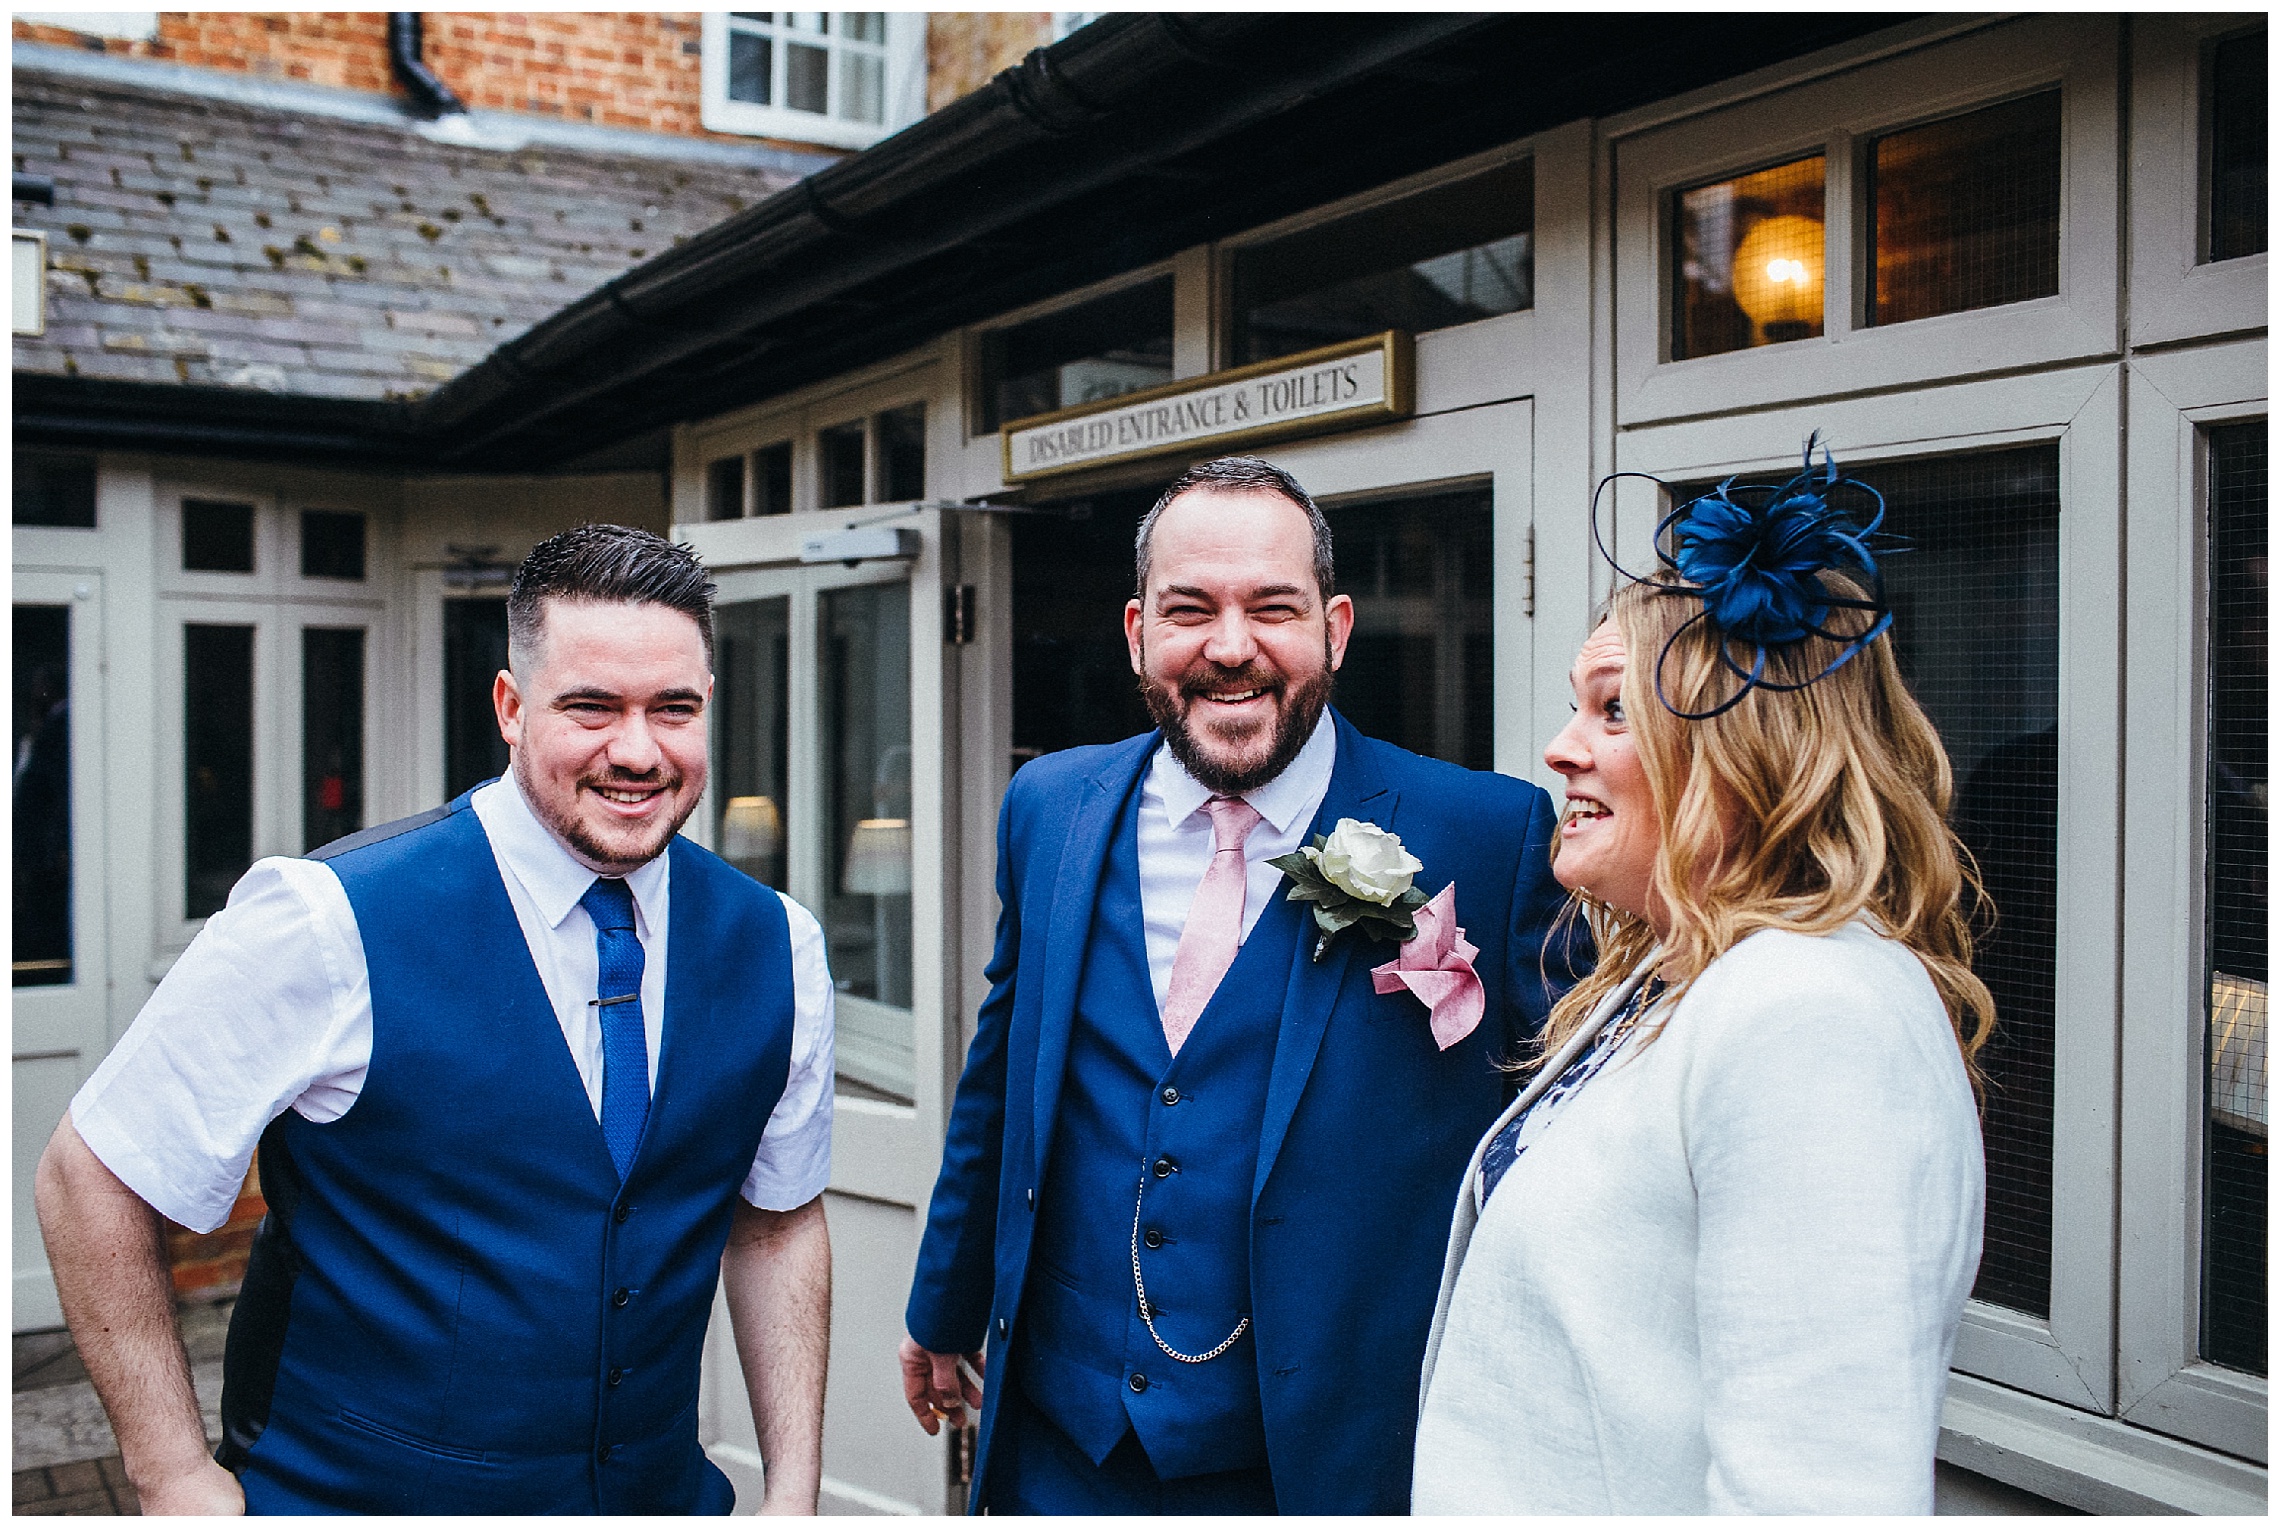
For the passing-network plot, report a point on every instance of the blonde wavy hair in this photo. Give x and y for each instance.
(1800, 810)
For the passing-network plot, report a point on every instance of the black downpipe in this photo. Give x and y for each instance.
(431, 97)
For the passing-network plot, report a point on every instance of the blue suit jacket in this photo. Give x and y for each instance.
(1367, 1126)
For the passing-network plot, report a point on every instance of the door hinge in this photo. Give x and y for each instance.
(1528, 577)
(958, 614)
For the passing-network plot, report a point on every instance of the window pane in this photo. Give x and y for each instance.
(805, 76)
(750, 60)
(1747, 261)
(752, 721)
(1105, 348)
(2235, 1184)
(1975, 623)
(217, 537)
(902, 453)
(772, 479)
(866, 905)
(1967, 212)
(2237, 147)
(724, 489)
(217, 755)
(1421, 663)
(332, 544)
(332, 735)
(862, 87)
(817, 22)
(839, 462)
(1446, 256)
(474, 650)
(41, 800)
(1072, 572)
(55, 490)
(863, 26)
(1975, 628)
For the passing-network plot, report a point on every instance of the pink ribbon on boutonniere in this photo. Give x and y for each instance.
(1437, 965)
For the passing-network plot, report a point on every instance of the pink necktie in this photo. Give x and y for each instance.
(1214, 921)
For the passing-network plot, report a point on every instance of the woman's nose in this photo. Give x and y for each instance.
(1566, 753)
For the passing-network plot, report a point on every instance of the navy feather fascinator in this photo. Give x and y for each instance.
(1756, 556)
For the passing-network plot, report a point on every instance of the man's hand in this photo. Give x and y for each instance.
(109, 1257)
(200, 1489)
(935, 1389)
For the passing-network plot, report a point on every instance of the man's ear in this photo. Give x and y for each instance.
(507, 701)
(1338, 615)
(1134, 642)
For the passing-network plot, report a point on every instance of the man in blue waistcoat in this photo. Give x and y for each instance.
(529, 1075)
(1200, 1167)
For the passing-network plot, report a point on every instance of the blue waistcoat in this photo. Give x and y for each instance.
(1188, 1130)
(453, 1304)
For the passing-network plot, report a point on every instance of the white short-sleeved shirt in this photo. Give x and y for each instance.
(270, 1008)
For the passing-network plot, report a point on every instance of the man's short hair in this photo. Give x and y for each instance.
(604, 565)
(1238, 474)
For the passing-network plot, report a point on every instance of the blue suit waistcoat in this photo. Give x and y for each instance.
(1362, 1137)
(453, 1304)
(1128, 1106)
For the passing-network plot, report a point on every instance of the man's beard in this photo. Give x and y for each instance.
(1300, 705)
(574, 833)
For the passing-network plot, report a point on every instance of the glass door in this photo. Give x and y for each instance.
(834, 725)
(59, 1020)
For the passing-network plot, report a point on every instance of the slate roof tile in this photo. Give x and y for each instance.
(212, 242)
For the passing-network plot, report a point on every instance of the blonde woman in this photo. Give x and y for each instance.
(1713, 1257)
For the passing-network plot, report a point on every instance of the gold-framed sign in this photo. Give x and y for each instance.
(1357, 382)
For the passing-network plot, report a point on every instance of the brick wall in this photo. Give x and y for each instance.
(964, 48)
(212, 1266)
(635, 69)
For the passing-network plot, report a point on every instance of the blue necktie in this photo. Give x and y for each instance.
(625, 1049)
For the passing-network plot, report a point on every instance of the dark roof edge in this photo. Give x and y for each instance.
(91, 414)
(842, 226)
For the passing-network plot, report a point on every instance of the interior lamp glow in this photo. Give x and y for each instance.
(751, 829)
(878, 858)
(1777, 277)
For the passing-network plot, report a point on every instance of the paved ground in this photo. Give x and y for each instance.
(66, 1461)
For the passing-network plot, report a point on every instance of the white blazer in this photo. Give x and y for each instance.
(1727, 1275)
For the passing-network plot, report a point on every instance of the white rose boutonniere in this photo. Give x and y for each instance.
(1357, 873)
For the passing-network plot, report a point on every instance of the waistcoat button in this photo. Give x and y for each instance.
(615, 1376)
(1152, 1240)
(1171, 1096)
(1139, 1383)
(621, 1297)
(1165, 1167)
(619, 1214)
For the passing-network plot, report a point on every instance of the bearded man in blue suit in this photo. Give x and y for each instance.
(1199, 1170)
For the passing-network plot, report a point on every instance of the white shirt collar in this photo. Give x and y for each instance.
(546, 869)
(1299, 788)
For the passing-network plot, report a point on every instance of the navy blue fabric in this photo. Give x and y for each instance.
(1363, 1138)
(454, 1304)
(1128, 1105)
(625, 1047)
(1042, 1473)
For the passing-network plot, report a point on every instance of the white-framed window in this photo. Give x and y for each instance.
(2092, 595)
(844, 79)
(1966, 156)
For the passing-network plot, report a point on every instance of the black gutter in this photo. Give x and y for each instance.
(431, 97)
(213, 421)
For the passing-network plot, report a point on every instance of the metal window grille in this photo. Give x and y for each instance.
(2234, 1183)
(1747, 266)
(1966, 211)
(1975, 629)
